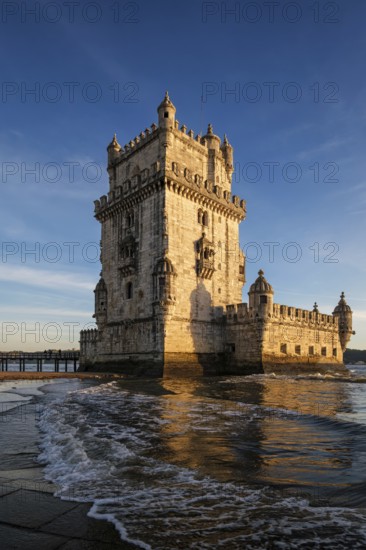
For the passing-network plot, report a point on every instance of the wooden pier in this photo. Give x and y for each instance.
(67, 358)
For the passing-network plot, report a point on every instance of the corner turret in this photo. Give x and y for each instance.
(166, 112)
(344, 314)
(227, 153)
(261, 296)
(114, 150)
(213, 141)
(100, 303)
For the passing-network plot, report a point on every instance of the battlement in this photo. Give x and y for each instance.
(242, 312)
(183, 175)
(124, 153)
(88, 336)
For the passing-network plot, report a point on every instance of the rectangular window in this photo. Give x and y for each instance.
(283, 348)
(324, 352)
(298, 350)
(263, 299)
(311, 350)
(334, 352)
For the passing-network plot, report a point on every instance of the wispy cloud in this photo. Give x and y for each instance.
(45, 279)
(328, 146)
(43, 311)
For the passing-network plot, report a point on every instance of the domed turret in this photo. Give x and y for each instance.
(164, 275)
(100, 302)
(261, 295)
(213, 141)
(344, 314)
(164, 266)
(166, 112)
(114, 150)
(227, 153)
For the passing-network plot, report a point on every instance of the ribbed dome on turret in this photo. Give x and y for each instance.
(166, 102)
(342, 306)
(164, 266)
(114, 144)
(100, 285)
(261, 284)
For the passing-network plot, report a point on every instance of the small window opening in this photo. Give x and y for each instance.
(129, 291)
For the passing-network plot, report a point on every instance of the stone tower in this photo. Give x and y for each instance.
(170, 254)
(170, 291)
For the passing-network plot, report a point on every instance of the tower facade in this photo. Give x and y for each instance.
(170, 254)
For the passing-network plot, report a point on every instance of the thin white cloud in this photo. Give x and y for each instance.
(325, 147)
(46, 279)
(43, 311)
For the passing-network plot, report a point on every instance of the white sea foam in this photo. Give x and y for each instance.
(101, 445)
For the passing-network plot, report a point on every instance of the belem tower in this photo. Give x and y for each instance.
(170, 292)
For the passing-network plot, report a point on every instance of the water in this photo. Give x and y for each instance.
(224, 462)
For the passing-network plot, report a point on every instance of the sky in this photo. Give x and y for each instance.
(284, 80)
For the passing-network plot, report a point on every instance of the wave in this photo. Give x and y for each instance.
(104, 445)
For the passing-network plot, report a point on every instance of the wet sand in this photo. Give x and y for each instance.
(30, 516)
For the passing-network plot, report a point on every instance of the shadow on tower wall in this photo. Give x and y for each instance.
(207, 331)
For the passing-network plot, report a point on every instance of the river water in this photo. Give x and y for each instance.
(261, 461)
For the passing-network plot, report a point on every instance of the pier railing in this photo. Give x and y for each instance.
(25, 359)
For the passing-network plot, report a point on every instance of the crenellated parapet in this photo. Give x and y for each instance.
(182, 181)
(243, 312)
(118, 154)
(89, 336)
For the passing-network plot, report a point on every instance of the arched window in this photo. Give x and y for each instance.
(129, 291)
(200, 216)
(205, 219)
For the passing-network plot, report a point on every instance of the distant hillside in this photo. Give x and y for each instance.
(354, 355)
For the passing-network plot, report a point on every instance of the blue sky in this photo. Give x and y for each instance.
(287, 86)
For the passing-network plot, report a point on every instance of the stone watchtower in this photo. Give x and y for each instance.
(170, 254)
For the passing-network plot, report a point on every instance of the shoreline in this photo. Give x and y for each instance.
(31, 517)
(17, 375)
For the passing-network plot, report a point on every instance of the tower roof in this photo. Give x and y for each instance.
(114, 144)
(225, 142)
(342, 306)
(210, 133)
(164, 266)
(261, 284)
(100, 285)
(166, 102)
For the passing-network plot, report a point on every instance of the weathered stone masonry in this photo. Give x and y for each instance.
(172, 268)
